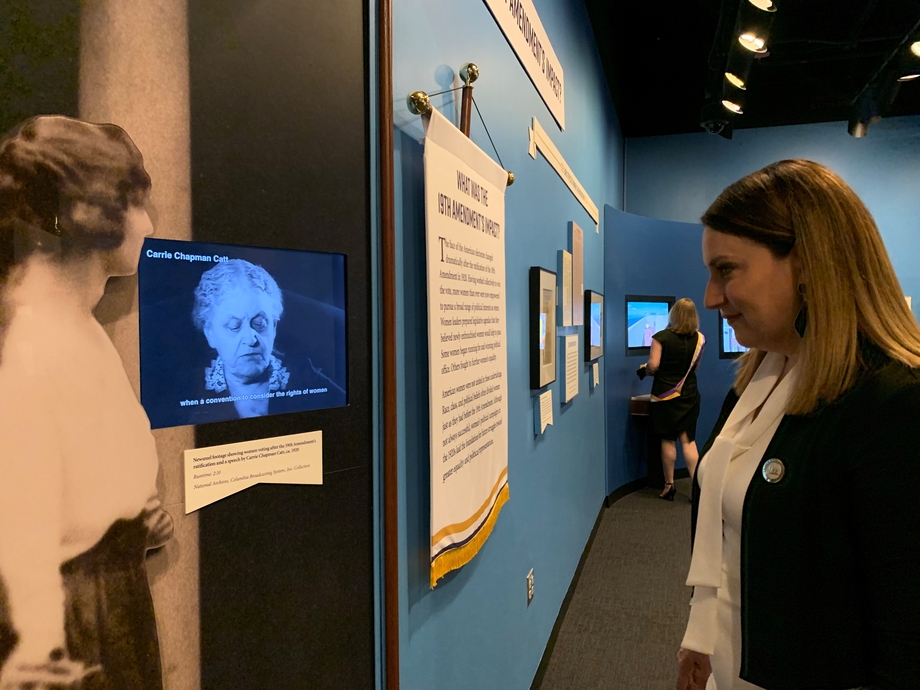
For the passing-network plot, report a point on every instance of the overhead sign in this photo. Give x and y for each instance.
(522, 27)
(540, 140)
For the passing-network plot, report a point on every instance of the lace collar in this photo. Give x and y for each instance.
(216, 380)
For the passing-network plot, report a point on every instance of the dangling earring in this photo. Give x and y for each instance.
(57, 231)
(801, 319)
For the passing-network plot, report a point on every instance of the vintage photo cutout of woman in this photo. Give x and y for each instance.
(78, 498)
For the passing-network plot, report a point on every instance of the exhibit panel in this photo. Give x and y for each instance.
(287, 571)
(251, 321)
(555, 450)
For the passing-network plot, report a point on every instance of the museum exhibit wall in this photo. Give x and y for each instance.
(647, 256)
(279, 131)
(677, 177)
(475, 629)
(252, 120)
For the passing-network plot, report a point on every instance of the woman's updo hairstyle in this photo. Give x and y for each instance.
(71, 179)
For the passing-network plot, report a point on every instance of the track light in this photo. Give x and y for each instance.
(739, 66)
(733, 98)
(753, 42)
(906, 67)
(735, 80)
(865, 111)
(753, 23)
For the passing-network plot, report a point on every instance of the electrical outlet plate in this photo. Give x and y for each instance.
(530, 586)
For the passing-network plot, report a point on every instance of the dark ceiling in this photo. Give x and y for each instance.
(661, 57)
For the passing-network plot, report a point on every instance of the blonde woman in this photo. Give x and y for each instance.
(806, 531)
(674, 359)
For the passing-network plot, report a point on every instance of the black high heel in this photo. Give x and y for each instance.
(671, 492)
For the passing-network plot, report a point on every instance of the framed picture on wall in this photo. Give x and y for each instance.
(542, 327)
(594, 330)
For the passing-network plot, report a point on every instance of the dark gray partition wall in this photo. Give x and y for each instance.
(39, 59)
(280, 159)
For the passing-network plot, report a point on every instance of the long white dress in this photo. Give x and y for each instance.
(714, 627)
(77, 453)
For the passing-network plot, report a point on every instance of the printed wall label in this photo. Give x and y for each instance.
(216, 472)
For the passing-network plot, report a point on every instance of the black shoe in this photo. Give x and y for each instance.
(669, 496)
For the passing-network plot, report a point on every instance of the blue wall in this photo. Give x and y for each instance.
(646, 256)
(475, 630)
(677, 177)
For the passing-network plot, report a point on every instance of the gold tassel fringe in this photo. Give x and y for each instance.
(459, 557)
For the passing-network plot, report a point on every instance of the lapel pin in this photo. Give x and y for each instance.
(773, 470)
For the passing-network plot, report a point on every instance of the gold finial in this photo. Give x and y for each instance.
(418, 103)
(510, 178)
(469, 73)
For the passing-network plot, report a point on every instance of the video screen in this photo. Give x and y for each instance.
(230, 332)
(594, 328)
(730, 347)
(643, 320)
(596, 324)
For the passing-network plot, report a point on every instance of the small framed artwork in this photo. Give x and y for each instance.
(594, 332)
(542, 327)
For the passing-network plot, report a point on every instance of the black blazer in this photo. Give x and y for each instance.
(830, 555)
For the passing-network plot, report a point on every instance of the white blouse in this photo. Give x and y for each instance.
(77, 454)
(724, 475)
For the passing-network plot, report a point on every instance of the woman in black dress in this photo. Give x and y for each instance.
(673, 360)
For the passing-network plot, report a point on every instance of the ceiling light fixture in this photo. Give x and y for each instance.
(864, 112)
(735, 80)
(765, 5)
(753, 42)
(908, 77)
(753, 24)
(915, 48)
(739, 66)
(732, 98)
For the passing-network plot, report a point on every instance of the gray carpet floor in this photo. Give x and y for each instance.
(629, 609)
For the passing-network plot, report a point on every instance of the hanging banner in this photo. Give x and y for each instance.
(522, 27)
(465, 218)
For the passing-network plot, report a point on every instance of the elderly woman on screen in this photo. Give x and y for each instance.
(806, 549)
(238, 306)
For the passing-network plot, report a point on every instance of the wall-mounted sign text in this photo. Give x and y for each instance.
(522, 27)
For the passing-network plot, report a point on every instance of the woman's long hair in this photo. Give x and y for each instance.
(683, 317)
(850, 288)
